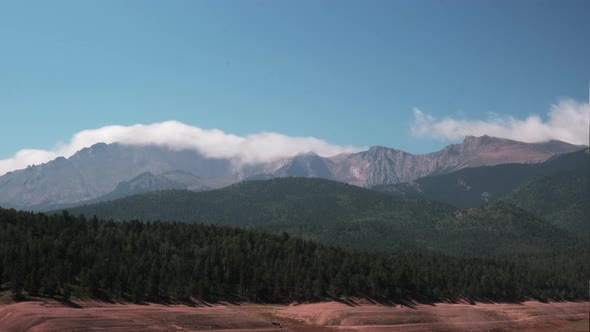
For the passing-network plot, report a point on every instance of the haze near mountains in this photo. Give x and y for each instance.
(110, 170)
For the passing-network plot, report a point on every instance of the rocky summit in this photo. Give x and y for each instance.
(101, 169)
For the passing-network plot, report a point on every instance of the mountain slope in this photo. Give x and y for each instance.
(497, 228)
(145, 182)
(306, 165)
(472, 187)
(281, 200)
(339, 214)
(562, 199)
(191, 181)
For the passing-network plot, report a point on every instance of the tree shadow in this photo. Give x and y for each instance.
(68, 303)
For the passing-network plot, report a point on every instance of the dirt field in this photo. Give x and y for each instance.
(328, 316)
(529, 316)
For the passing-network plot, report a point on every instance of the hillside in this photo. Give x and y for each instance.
(561, 199)
(338, 214)
(64, 256)
(497, 229)
(473, 187)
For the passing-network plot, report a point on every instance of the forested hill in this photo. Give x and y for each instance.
(63, 256)
(499, 229)
(562, 199)
(344, 215)
(275, 201)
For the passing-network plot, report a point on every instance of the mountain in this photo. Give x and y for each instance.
(305, 165)
(96, 171)
(148, 182)
(472, 187)
(381, 165)
(347, 216)
(143, 183)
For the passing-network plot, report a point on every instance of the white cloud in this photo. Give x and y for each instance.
(261, 147)
(567, 121)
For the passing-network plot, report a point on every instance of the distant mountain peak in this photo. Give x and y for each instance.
(95, 149)
(99, 145)
(144, 175)
(307, 154)
(379, 149)
(97, 170)
(485, 139)
(178, 172)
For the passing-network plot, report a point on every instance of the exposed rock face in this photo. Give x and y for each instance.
(475, 186)
(95, 171)
(381, 165)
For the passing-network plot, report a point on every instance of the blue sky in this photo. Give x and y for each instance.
(348, 72)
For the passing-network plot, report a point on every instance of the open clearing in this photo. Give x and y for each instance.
(326, 316)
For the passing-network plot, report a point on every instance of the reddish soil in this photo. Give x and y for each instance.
(529, 316)
(318, 317)
(96, 316)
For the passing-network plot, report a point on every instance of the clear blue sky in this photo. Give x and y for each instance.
(349, 72)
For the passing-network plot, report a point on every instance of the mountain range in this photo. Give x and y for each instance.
(108, 171)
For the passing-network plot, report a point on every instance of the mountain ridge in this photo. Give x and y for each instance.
(475, 186)
(97, 170)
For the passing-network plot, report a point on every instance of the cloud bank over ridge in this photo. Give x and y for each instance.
(567, 121)
(213, 143)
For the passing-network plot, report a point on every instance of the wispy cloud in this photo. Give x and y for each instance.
(567, 121)
(213, 143)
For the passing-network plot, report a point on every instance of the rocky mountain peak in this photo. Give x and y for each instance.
(378, 150)
(307, 155)
(93, 150)
(476, 141)
(99, 169)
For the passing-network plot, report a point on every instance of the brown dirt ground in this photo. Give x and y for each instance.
(316, 317)
(528, 316)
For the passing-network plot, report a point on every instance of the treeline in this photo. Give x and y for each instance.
(61, 255)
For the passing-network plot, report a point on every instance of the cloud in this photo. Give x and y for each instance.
(567, 121)
(213, 143)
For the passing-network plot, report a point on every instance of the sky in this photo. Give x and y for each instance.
(335, 76)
